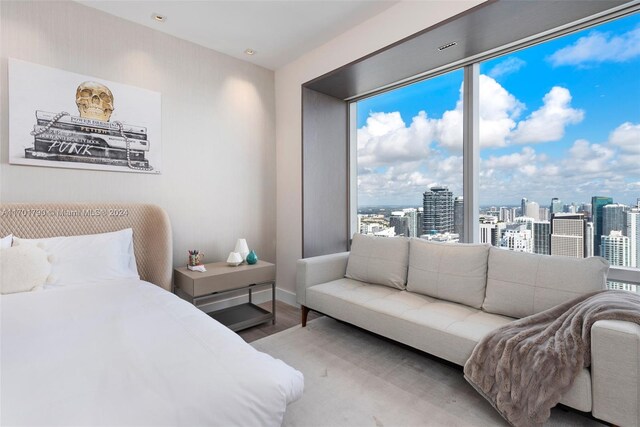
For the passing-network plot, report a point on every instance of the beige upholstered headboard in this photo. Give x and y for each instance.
(151, 229)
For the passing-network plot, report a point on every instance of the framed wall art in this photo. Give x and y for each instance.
(63, 119)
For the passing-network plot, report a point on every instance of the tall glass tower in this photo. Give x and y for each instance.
(556, 205)
(614, 218)
(597, 203)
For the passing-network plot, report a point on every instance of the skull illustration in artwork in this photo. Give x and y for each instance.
(94, 101)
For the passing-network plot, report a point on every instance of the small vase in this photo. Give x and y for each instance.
(252, 258)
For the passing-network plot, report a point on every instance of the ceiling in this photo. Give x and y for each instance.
(278, 31)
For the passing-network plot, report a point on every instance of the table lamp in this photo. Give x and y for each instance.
(242, 248)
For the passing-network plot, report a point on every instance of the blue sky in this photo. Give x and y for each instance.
(546, 111)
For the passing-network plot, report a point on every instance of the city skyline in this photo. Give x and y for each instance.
(599, 228)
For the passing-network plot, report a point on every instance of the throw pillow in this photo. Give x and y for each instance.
(450, 271)
(23, 269)
(379, 260)
(521, 284)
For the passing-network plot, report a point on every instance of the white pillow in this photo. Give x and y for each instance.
(5, 242)
(91, 257)
(449, 271)
(23, 269)
(379, 260)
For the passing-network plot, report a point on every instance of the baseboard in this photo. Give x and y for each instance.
(258, 297)
(287, 297)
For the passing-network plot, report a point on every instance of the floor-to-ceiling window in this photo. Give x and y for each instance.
(560, 145)
(409, 160)
(559, 150)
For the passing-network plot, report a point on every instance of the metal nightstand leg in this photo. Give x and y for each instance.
(273, 301)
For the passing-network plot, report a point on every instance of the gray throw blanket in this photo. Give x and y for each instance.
(524, 368)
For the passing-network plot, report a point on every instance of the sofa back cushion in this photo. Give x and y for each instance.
(453, 272)
(379, 260)
(521, 284)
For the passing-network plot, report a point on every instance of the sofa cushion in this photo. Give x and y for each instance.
(379, 260)
(521, 284)
(452, 272)
(444, 329)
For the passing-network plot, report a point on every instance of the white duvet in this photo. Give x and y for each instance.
(130, 353)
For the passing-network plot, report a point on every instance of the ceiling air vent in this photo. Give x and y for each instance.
(447, 46)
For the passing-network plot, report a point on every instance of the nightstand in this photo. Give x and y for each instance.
(221, 279)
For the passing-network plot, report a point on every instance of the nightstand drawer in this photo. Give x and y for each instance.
(221, 277)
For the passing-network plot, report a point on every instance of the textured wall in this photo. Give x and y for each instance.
(218, 119)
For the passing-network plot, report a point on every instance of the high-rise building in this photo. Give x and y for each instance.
(615, 248)
(568, 235)
(458, 217)
(420, 222)
(523, 207)
(541, 237)
(556, 205)
(527, 221)
(517, 238)
(588, 240)
(532, 210)
(490, 230)
(613, 218)
(400, 223)
(544, 214)
(597, 203)
(514, 214)
(412, 221)
(506, 214)
(633, 233)
(438, 210)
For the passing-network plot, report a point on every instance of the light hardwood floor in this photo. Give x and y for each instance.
(287, 316)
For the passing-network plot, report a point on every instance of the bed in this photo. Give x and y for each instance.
(127, 351)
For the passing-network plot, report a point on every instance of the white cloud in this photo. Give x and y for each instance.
(508, 66)
(498, 111)
(404, 183)
(549, 121)
(399, 160)
(582, 169)
(511, 161)
(627, 137)
(385, 139)
(585, 158)
(598, 47)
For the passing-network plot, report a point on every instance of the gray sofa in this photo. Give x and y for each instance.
(443, 298)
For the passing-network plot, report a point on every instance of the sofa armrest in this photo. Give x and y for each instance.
(615, 372)
(316, 270)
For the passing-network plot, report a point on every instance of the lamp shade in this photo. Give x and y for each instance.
(242, 248)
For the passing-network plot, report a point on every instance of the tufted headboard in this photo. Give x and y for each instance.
(151, 229)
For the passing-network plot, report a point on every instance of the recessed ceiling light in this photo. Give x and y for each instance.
(250, 51)
(447, 46)
(158, 17)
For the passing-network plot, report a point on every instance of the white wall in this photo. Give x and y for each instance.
(395, 23)
(218, 116)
